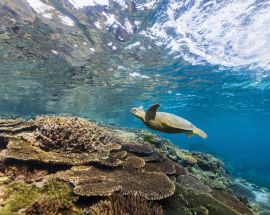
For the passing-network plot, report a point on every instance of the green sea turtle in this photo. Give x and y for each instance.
(166, 122)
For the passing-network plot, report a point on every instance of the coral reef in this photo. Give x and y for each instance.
(73, 134)
(167, 167)
(231, 201)
(44, 207)
(21, 149)
(22, 172)
(92, 181)
(21, 196)
(134, 162)
(141, 149)
(119, 203)
(60, 140)
(188, 201)
(191, 182)
(68, 165)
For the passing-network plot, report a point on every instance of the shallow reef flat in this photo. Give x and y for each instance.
(69, 165)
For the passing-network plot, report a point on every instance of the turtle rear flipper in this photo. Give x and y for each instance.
(200, 133)
(189, 133)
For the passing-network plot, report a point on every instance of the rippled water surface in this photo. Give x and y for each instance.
(218, 79)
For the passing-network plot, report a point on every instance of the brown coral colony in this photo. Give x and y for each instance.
(69, 140)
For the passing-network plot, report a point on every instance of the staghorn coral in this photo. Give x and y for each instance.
(22, 172)
(103, 207)
(92, 181)
(44, 207)
(119, 203)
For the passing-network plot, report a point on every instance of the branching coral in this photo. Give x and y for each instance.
(31, 198)
(93, 181)
(186, 158)
(22, 172)
(44, 207)
(119, 203)
(74, 134)
(60, 140)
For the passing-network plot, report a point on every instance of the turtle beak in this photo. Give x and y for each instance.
(133, 111)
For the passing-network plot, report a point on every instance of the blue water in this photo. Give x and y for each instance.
(220, 81)
(234, 113)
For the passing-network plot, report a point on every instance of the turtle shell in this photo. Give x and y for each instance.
(173, 121)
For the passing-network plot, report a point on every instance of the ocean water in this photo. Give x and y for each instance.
(219, 79)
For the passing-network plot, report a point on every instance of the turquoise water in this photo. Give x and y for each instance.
(224, 103)
(207, 61)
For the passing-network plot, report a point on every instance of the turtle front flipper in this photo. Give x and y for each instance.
(151, 112)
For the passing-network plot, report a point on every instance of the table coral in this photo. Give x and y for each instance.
(93, 181)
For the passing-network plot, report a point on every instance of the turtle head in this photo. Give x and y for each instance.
(138, 112)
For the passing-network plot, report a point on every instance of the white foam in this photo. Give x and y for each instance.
(146, 5)
(128, 27)
(54, 52)
(97, 24)
(84, 3)
(133, 45)
(136, 74)
(262, 197)
(122, 3)
(48, 15)
(111, 20)
(228, 33)
(66, 20)
(39, 7)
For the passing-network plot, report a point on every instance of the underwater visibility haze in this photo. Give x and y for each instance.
(206, 61)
